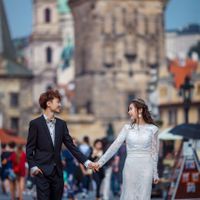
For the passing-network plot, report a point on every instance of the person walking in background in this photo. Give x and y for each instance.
(86, 149)
(106, 189)
(140, 168)
(115, 179)
(5, 166)
(18, 160)
(98, 176)
(43, 149)
(9, 170)
(69, 167)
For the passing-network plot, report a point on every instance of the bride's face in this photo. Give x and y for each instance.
(132, 111)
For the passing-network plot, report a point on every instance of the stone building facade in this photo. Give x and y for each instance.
(45, 47)
(119, 49)
(15, 84)
(171, 105)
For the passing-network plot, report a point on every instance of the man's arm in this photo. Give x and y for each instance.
(30, 149)
(74, 150)
(31, 144)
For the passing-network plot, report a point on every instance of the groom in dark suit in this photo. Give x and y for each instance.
(43, 149)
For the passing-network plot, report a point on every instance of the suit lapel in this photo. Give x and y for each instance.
(44, 124)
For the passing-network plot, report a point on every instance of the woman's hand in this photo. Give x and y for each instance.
(156, 180)
(96, 166)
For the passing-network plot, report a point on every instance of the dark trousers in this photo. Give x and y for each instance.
(115, 183)
(49, 187)
(98, 180)
(86, 183)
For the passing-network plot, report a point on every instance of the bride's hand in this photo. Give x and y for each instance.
(96, 166)
(156, 181)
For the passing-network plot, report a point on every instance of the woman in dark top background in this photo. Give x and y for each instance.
(98, 177)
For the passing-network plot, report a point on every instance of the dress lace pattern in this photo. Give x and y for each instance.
(140, 167)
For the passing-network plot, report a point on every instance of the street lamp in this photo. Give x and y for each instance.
(186, 92)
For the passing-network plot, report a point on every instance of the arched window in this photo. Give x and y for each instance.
(48, 55)
(47, 15)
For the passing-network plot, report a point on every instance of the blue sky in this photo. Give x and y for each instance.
(178, 14)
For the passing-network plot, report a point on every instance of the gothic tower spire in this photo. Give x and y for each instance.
(6, 46)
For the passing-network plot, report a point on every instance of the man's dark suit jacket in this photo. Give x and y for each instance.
(40, 151)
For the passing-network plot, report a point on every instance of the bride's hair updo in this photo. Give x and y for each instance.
(140, 104)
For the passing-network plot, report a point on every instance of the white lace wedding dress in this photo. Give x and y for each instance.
(141, 162)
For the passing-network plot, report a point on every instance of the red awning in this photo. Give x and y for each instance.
(6, 138)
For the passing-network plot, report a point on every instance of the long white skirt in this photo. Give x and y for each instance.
(137, 177)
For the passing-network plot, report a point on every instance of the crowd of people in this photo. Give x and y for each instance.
(13, 170)
(16, 179)
(81, 180)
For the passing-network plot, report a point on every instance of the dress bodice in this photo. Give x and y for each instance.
(139, 139)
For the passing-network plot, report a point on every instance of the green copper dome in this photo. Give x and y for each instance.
(63, 7)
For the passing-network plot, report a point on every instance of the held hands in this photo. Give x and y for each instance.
(94, 166)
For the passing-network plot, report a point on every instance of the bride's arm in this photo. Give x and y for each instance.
(113, 147)
(154, 152)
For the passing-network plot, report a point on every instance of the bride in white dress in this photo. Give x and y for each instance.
(140, 169)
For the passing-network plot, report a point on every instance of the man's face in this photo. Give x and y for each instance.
(54, 105)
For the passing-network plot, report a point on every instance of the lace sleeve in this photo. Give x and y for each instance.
(113, 147)
(154, 152)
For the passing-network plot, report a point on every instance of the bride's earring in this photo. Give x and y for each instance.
(139, 115)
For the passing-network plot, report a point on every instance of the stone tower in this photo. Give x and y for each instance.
(119, 49)
(45, 47)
